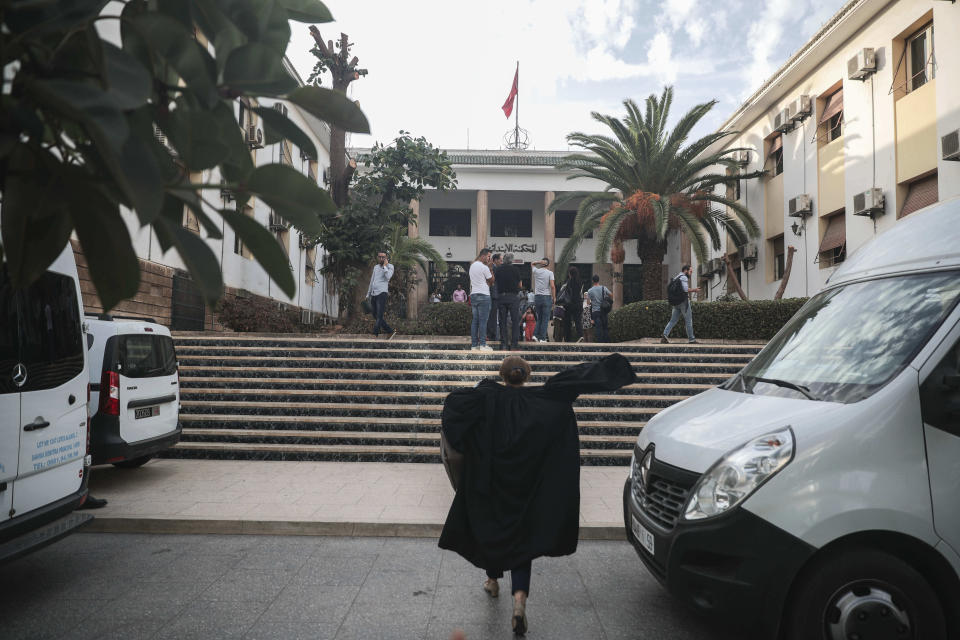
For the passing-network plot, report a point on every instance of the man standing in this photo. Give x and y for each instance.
(480, 281)
(596, 294)
(678, 295)
(507, 279)
(544, 293)
(377, 292)
(493, 328)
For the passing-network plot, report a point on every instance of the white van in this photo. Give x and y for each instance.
(135, 390)
(43, 412)
(816, 494)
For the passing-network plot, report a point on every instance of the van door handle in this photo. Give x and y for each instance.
(40, 423)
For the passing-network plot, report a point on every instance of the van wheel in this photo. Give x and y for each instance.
(864, 594)
(133, 463)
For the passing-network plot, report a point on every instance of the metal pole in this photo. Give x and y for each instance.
(516, 121)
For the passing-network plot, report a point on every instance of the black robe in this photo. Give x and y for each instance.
(519, 493)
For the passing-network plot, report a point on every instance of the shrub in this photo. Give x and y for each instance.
(436, 319)
(741, 320)
(260, 315)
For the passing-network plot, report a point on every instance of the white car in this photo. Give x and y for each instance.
(816, 494)
(43, 413)
(135, 390)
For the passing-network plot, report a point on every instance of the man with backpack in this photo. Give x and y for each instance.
(678, 296)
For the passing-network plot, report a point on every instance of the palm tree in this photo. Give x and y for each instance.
(406, 254)
(655, 183)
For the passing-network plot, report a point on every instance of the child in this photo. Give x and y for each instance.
(529, 324)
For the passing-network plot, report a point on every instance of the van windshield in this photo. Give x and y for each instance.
(846, 343)
(145, 356)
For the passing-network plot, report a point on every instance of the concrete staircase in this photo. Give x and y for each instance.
(352, 399)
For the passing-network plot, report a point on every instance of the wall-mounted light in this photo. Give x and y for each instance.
(797, 229)
(448, 254)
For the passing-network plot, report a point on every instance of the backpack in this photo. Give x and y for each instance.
(563, 298)
(606, 304)
(675, 293)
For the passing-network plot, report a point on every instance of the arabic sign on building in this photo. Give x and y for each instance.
(522, 252)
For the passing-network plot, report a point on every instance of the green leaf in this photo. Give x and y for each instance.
(238, 165)
(276, 29)
(196, 137)
(44, 17)
(199, 259)
(188, 196)
(128, 81)
(257, 69)
(293, 195)
(332, 107)
(311, 11)
(175, 44)
(279, 127)
(219, 30)
(143, 180)
(82, 102)
(264, 247)
(35, 224)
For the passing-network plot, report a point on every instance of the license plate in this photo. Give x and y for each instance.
(146, 412)
(640, 533)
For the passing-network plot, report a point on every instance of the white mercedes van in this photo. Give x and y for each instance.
(816, 494)
(43, 409)
(135, 390)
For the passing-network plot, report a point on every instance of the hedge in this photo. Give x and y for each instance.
(435, 319)
(741, 320)
(260, 314)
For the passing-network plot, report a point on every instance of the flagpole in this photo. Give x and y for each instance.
(516, 121)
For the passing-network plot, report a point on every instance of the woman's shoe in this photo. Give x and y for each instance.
(492, 587)
(519, 621)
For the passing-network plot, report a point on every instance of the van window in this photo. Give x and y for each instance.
(41, 329)
(146, 356)
(846, 343)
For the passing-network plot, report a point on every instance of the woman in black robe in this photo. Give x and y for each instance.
(518, 494)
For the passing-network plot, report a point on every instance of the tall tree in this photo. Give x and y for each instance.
(390, 178)
(90, 125)
(656, 182)
(335, 58)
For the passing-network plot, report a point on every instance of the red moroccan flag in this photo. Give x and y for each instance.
(508, 105)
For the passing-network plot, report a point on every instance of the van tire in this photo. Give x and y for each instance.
(859, 580)
(133, 463)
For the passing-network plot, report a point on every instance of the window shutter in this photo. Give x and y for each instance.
(923, 193)
(836, 234)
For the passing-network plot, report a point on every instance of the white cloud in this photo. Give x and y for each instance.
(765, 35)
(660, 57)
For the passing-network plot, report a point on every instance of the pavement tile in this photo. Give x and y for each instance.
(204, 620)
(241, 585)
(334, 570)
(278, 630)
(312, 603)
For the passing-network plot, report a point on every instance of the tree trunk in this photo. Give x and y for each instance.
(786, 272)
(732, 277)
(651, 254)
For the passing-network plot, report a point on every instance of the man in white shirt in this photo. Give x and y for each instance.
(681, 307)
(544, 293)
(480, 281)
(377, 292)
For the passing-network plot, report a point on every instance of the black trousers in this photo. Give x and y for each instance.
(493, 329)
(572, 315)
(379, 303)
(519, 577)
(508, 304)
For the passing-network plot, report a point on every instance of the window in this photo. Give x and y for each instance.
(922, 193)
(920, 59)
(511, 223)
(733, 188)
(775, 154)
(238, 247)
(778, 257)
(312, 170)
(450, 222)
(830, 124)
(309, 267)
(143, 356)
(563, 222)
(833, 246)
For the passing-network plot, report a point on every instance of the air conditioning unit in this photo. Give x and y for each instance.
(254, 137)
(306, 242)
(702, 273)
(800, 206)
(716, 265)
(225, 194)
(869, 202)
(781, 121)
(862, 65)
(800, 108)
(307, 316)
(742, 158)
(749, 251)
(277, 223)
(279, 106)
(950, 145)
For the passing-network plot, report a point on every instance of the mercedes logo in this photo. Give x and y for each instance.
(19, 375)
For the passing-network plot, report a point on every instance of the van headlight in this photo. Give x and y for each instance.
(739, 473)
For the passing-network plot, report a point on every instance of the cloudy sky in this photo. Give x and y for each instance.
(442, 68)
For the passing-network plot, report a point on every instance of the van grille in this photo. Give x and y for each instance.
(663, 503)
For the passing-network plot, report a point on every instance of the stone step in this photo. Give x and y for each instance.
(298, 436)
(299, 353)
(349, 453)
(399, 397)
(379, 410)
(204, 371)
(393, 364)
(214, 421)
(218, 382)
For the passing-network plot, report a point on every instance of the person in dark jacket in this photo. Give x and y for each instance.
(571, 298)
(518, 494)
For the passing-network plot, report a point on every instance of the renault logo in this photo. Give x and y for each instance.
(19, 375)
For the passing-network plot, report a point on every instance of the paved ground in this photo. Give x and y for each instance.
(334, 498)
(97, 585)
